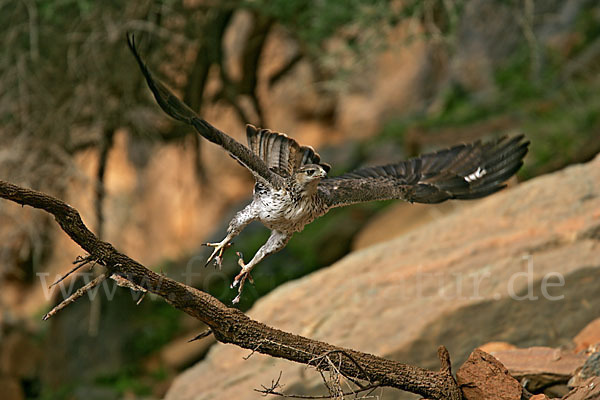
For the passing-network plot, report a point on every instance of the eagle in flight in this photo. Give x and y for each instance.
(292, 187)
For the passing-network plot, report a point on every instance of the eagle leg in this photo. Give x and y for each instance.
(239, 221)
(276, 242)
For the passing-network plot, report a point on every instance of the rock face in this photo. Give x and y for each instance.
(521, 266)
(385, 226)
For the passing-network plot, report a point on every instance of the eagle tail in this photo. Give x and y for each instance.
(280, 152)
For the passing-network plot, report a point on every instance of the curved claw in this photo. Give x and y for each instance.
(237, 298)
(217, 253)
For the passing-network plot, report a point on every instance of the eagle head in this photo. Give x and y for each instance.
(308, 176)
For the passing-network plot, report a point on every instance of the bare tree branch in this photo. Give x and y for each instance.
(230, 325)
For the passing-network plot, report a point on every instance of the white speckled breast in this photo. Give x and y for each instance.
(277, 209)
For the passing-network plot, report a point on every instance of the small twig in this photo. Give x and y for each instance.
(202, 335)
(342, 352)
(142, 297)
(80, 292)
(325, 382)
(252, 353)
(126, 283)
(272, 390)
(80, 262)
(332, 384)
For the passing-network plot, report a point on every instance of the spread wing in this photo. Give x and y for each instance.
(180, 111)
(467, 171)
(280, 152)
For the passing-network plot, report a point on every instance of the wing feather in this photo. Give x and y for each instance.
(180, 111)
(466, 171)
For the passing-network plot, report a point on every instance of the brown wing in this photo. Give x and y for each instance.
(467, 171)
(180, 111)
(280, 152)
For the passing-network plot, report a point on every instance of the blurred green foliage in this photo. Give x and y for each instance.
(315, 21)
(125, 380)
(61, 11)
(63, 392)
(156, 326)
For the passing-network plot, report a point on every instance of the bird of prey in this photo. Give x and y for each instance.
(292, 187)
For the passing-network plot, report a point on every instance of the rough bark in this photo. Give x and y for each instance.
(230, 325)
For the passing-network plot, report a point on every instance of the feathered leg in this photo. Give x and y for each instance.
(276, 242)
(237, 224)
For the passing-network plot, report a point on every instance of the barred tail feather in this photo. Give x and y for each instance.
(280, 152)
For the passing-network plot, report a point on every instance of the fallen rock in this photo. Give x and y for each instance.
(590, 390)
(539, 397)
(483, 377)
(590, 369)
(590, 335)
(492, 347)
(520, 266)
(539, 367)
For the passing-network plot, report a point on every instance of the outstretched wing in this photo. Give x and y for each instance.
(467, 171)
(280, 152)
(180, 111)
